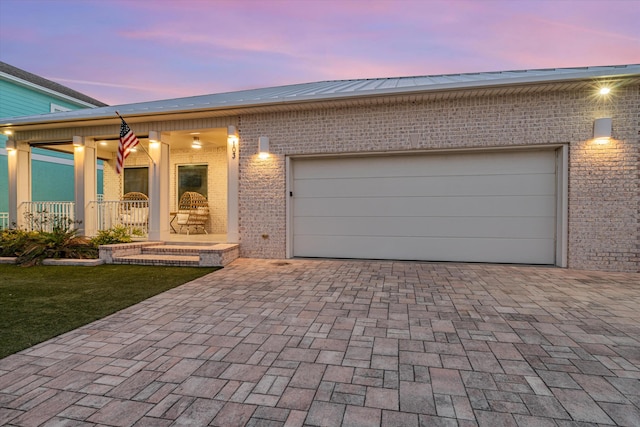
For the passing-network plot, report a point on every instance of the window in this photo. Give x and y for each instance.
(192, 178)
(136, 179)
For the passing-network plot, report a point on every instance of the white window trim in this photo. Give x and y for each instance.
(55, 108)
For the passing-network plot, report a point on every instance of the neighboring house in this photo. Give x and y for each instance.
(533, 166)
(22, 94)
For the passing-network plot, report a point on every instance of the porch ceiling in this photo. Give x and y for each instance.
(179, 140)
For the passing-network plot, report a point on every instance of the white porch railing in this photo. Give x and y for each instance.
(132, 214)
(45, 216)
(4, 220)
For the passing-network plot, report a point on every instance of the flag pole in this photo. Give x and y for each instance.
(141, 146)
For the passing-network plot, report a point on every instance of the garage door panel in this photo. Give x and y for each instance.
(473, 227)
(480, 207)
(530, 206)
(478, 185)
(431, 249)
(433, 165)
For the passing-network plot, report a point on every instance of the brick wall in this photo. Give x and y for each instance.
(112, 182)
(216, 160)
(604, 182)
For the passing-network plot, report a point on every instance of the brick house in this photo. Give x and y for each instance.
(533, 167)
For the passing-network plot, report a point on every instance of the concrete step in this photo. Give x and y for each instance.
(156, 259)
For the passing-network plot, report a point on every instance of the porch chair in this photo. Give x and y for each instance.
(135, 213)
(193, 210)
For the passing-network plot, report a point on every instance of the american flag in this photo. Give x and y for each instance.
(128, 140)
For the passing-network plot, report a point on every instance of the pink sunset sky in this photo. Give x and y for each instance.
(125, 51)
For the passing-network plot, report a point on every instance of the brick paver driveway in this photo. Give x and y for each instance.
(354, 343)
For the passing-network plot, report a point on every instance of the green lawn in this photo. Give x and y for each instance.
(38, 303)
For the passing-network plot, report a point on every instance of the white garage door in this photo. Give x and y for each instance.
(473, 207)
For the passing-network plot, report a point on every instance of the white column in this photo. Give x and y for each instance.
(19, 167)
(85, 181)
(158, 187)
(233, 161)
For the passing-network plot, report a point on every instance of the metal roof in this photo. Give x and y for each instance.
(48, 84)
(335, 90)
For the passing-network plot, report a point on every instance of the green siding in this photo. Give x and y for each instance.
(100, 180)
(60, 166)
(4, 177)
(43, 188)
(18, 100)
(51, 180)
(51, 153)
(4, 187)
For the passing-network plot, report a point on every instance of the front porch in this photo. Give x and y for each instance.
(180, 249)
(166, 166)
(131, 215)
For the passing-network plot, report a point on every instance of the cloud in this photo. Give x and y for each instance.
(125, 51)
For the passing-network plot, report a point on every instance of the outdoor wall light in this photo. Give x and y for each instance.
(78, 141)
(154, 138)
(232, 138)
(196, 142)
(263, 147)
(11, 145)
(602, 130)
(8, 132)
(232, 133)
(604, 90)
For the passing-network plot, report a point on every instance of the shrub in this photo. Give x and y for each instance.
(13, 241)
(56, 244)
(31, 247)
(116, 234)
(138, 232)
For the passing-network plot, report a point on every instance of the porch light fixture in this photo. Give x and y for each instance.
(8, 132)
(602, 130)
(263, 147)
(604, 90)
(78, 141)
(232, 138)
(196, 142)
(154, 138)
(11, 145)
